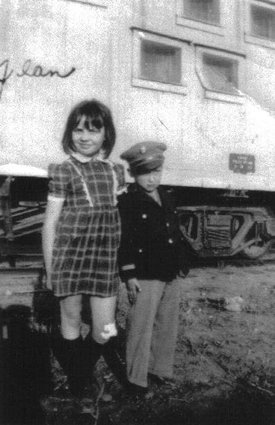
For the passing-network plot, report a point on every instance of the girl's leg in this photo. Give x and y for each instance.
(68, 347)
(70, 310)
(103, 338)
(103, 327)
(103, 318)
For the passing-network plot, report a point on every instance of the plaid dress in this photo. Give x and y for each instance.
(88, 232)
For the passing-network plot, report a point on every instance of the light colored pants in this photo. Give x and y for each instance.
(152, 326)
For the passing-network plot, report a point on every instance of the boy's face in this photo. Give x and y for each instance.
(149, 181)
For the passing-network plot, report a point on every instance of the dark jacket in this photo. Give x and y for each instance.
(151, 245)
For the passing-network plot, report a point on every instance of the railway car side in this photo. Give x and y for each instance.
(196, 75)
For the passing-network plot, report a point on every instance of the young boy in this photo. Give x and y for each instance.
(150, 263)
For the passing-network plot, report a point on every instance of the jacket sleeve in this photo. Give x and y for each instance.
(126, 256)
(183, 248)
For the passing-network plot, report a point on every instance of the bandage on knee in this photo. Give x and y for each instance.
(109, 331)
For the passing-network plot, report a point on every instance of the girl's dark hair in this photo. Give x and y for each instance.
(98, 115)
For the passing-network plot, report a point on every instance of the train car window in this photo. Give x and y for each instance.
(158, 62)
(202, 15)
(203, 10)
(221, 74)
(260, 23)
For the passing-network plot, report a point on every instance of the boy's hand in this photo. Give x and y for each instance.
(133, 287)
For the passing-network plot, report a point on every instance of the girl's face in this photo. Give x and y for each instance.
(87, 138)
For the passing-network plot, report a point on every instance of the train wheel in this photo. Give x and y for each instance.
(256, 250)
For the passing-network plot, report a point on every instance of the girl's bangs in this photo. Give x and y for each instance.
(91, 121)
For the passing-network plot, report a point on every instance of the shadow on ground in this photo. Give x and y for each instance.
(28, 371)
(25, 367)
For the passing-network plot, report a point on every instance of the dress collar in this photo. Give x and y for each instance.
(80, 158)
(83, 159)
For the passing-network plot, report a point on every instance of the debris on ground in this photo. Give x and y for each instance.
(224, 363)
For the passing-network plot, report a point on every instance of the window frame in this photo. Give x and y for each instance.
(215, 28)
(249, 37)
(137, 80)
(211, 93)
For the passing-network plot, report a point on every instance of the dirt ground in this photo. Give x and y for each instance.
(224, 363)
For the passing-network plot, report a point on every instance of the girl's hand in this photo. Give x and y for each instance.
(133, 287)
(49, 284)
(46, 280)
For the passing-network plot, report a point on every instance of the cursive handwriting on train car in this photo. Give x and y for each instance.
(28, 69)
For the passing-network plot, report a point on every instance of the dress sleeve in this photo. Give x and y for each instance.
(59, 175)
(120, 176)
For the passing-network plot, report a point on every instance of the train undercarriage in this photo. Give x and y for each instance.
(219, 223)
(215, 223)
(225, 232)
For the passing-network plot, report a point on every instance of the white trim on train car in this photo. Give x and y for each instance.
(22, 170)
(100, 3)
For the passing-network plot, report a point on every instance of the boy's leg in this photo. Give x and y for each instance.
(164, 336)
(140, 323)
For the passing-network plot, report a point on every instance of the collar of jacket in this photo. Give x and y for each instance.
(135, 188)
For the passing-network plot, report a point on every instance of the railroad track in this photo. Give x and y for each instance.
(268, 258)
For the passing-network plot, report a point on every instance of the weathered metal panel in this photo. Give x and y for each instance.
(57, 52)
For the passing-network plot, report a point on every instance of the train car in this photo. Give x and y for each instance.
(197, 75)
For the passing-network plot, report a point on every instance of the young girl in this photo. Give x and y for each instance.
(81, 236)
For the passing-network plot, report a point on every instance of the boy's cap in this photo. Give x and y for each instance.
(144, 156)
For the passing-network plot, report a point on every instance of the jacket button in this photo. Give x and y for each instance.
(170, 240)
(167, 224)
(140, 251)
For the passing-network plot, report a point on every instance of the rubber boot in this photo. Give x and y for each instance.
(92, 352)
(70, 355)
(115, 361)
